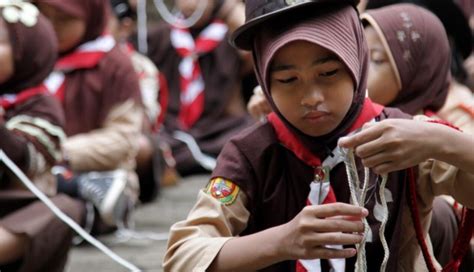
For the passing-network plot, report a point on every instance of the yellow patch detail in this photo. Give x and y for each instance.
(223, 190)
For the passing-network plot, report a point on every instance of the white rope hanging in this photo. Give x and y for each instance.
(142, 31)
(358, 197)
(61, 215)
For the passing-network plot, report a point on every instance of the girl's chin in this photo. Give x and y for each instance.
(316, 132)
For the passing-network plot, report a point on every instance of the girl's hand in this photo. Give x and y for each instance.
(258, 106)
(393, 144)
(306, 236)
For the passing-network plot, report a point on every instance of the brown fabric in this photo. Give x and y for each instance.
(420, 48)
(94, 13)
(34, 54)
(338, 30)
(220, 69)
(15, 143)
(443, 230)
(91, 94)
(50, 238)
(275, 180)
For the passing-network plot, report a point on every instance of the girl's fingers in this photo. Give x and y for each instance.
(335, 238)
(335, 209)
(378, 159)
(344, 217)
(339, 225)
(366, 135)
(371, 148)
(330, 253)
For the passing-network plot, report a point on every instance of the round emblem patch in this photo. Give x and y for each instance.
(223, 190)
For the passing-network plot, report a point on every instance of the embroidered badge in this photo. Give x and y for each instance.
(223, 190)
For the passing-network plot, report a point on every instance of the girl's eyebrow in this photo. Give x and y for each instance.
(282, 67)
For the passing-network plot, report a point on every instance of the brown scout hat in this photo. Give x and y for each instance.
(260, 11)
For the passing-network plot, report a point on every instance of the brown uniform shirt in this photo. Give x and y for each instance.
(196, 241)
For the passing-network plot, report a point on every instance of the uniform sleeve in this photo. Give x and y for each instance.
(439, 178)
(32, 137)
(195, 242)
(110, 147)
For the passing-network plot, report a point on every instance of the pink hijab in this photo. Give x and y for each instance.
(93, 12)
(34, 54)
(420, 48)
(336, 29)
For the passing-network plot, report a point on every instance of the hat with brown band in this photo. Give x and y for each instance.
(259, 11)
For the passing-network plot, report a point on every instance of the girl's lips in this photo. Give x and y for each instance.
(315, 115)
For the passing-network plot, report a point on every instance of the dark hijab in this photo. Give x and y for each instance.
(93, 12)
(418, 44)
(34, 51)
(339, 31)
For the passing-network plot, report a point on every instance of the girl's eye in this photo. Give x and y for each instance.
(378, 61)
(287, 80)
(329, 73)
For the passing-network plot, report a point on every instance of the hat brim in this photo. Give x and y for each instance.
(242, 37)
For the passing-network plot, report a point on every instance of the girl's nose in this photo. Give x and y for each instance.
(312, 97)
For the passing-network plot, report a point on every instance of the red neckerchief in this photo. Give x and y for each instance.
(369, 111)
(191, 81)
(321, 191)
(8, 101)
(86, 56)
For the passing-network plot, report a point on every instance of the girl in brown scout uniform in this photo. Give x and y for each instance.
(98, 89)
(31, 120)
(253, 215)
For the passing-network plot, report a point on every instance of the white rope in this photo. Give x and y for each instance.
(177, 21)
(206, 161)
(11, 165)
(142, 27)
(358, 198)
(384, 223)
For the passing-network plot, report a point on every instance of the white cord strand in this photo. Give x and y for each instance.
(358, 199)
(176, 20)
(206, 161)
(358, 196)
(384, 223)
(6, 160)
(142, 27)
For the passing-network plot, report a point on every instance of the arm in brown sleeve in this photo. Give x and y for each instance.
(31, 137)
(439, 178)
(110, 147)
(14, 147)
(195, 242)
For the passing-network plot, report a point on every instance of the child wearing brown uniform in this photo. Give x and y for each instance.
(253, 215)
(32, 238)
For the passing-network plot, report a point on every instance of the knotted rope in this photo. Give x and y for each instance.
(358, 198)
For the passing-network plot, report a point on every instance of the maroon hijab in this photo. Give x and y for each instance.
(419, 46)
(336, 29)
(34, 54)
(93, 12)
